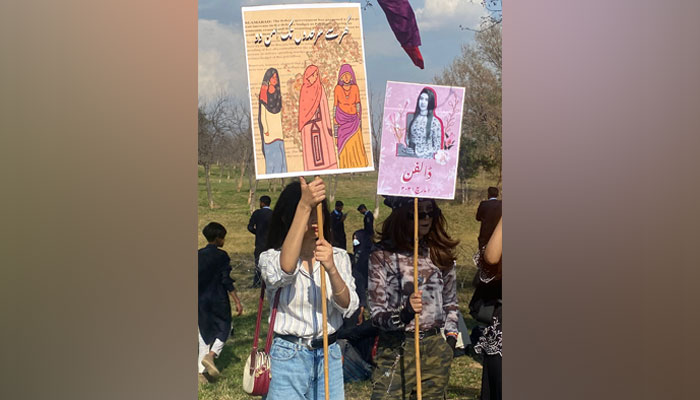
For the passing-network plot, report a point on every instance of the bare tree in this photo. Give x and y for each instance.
(205, 146)
(377, 115)
(478, 69)
(493, 17)
(214, 122)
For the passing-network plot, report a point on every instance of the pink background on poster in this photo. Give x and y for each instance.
(419, 177)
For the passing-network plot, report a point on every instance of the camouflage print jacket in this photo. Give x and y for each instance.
(389, 290)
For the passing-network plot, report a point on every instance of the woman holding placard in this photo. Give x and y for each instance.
(394, 304)
(292, 265)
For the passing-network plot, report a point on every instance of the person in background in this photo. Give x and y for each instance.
(338, 226)
(488, 213)
(487, 304)
(215, 287)
(257, 225)
(368, 220)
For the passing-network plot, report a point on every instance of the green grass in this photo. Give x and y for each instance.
(231, 210)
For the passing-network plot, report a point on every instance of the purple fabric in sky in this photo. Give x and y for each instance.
(402, 21)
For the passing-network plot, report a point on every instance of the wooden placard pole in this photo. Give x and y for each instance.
(324, 311)
(415, 290)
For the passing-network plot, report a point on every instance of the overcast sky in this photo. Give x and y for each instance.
(222, 60)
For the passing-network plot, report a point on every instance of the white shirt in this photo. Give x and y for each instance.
(299, 311)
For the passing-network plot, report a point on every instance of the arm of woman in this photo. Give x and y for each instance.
(311, 194)
(382, 315)
(435, 135)
(494, 248)
(449, 302)
(263, 120)
(344, 297)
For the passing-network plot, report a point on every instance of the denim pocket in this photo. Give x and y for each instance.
(334, 351)
(279, 352)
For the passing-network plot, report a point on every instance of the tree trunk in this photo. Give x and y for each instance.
(206, 178)
(240, 179)
(228, 172)
(465, 190)
(377, 203)
(221, 172)
(332, 187)
(253, 184)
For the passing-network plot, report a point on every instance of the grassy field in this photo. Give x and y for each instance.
(231, 210)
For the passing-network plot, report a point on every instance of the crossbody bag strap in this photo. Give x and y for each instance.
(257, 323)
(271, 329)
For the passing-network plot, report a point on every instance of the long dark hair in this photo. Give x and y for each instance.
(397, 235)
(283, 215)
(274, 100)
(431, 110)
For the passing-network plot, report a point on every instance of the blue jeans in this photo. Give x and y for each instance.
(297, 372)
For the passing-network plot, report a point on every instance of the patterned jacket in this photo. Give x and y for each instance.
(391, 283)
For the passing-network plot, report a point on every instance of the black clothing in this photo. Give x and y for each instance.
(489, 213)
(338, 230)
(214, 308)
(258, 226)
(360, 265)
(488, 298)
(369, 222)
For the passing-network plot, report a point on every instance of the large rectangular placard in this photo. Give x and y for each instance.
(420, 140)
(308, 89)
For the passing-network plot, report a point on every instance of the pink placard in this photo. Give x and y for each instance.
(420, 140)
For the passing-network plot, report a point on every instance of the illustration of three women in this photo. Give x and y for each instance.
(319, 149)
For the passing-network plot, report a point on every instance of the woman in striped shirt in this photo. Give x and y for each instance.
(292, 265)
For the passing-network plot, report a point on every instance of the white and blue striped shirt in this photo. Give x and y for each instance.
(299, 309)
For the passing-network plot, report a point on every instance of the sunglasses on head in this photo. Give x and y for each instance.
(423, 215)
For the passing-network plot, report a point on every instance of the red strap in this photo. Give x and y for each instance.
(271, 330)
(257, 323)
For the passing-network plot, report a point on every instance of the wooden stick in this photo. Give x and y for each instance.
(324, 312)
(416, 338)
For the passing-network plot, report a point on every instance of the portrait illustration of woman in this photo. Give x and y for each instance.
(348, 117)
(424, 130)
(270, 123)
(315, 123)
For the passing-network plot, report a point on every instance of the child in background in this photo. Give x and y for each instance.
(214, 308)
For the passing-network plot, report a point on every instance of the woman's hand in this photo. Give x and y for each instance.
(414, 306)
(239, 308)
(416, 301)
(324, 254)
(312, 193)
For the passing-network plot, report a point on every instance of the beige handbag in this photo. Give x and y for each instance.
(256, 373)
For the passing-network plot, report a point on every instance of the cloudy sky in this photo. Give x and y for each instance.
(221, 51)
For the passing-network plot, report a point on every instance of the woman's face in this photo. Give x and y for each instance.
(423, 102)
(425, 217)
(346, 77)
(312, 225)
(313, 77)
(273, 81)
